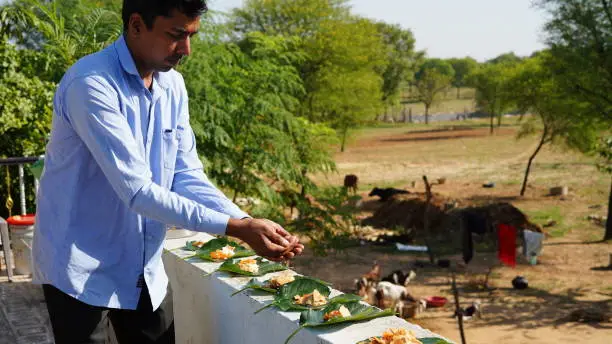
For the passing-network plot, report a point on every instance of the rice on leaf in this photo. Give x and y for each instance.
(285, 298)
(359, 312)
(428, 340)
(265, 267)
(213, 245)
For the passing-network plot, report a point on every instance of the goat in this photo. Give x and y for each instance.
(374, 273)
(469, 312)
(386, 194)
(387, 292)
(350, 182)
(407, 309)
(400, 278)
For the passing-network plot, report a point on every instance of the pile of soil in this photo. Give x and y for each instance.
(408, 212)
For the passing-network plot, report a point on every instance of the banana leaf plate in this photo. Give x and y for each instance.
(284, 297)
(265, 285)
(265, 267)
(217, 244)
(359, 312)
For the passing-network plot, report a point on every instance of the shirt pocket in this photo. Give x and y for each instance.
(170, 148)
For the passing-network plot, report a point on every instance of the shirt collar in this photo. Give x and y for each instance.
(129, 66)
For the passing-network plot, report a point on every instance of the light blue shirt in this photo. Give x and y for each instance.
(121, 163)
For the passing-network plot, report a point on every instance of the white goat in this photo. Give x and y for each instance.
(387, 292)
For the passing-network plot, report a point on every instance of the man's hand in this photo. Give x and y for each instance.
(266, 237)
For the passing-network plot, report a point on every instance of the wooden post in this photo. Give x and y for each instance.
(428, 197)
(458, 310)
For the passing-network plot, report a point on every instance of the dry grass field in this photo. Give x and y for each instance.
(567, 277)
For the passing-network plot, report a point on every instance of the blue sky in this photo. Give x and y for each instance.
(482, 29)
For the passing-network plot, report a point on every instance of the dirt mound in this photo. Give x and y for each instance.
(408, 212)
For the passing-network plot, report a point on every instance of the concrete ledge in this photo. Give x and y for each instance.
(205, 312)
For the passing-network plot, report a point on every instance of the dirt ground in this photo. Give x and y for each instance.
(568, 276)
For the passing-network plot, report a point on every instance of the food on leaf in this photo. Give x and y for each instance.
(314, 299)
(249, 265)
(281, 279)
(224, 253)
(395, 336)
(341, 312)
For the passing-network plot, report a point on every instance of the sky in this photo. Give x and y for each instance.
(482, 29)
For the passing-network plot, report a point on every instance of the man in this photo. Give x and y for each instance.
(121, 163)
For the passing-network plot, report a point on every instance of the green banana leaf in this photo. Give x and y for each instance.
(216, 244)
(265, 267)
(429, 340)
(284, 298)
(257, 285)
(264, 285)
(359, 312)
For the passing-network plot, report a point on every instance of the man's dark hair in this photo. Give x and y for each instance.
(149, 9)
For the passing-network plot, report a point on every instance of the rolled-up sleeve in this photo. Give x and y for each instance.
(189, 177)
(92, 108)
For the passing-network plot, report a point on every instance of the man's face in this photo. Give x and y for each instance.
(163, 46)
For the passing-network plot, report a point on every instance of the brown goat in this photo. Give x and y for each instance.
(350, 182)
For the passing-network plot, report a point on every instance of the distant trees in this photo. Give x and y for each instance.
(433, 77)
(463, 67)
(492, 95)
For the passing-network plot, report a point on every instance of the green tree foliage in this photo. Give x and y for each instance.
(491, 92)
(506, 59)
(463, 68)
(25, 102)
(401, 60)
(557, 118)
(579, 35)
(433, 77)
(343, 55)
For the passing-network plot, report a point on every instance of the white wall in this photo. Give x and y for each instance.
(205, 312)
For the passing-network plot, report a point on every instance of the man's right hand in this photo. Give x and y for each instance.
(264, 236)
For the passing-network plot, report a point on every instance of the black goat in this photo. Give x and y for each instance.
(387, 193)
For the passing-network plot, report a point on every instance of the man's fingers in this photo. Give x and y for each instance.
(274, 249)
(280, 230)
(278, 239)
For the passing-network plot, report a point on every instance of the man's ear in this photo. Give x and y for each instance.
(136, 25)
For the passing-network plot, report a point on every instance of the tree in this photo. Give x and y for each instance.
(506, 58)
(401, 60)
(62, 30)
(534, 89)
(604, 151)
(434, 77)
(343, 52)
(463, 68)
(491, 96)
(579, 35)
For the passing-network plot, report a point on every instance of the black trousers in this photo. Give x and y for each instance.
(75, 322)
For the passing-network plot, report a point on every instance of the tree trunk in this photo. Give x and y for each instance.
(458, 92)
(410, 115)
(499, 120)
(344, 133)
(492, 118)
(608, 234)
(531, 158)
(426, 114)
